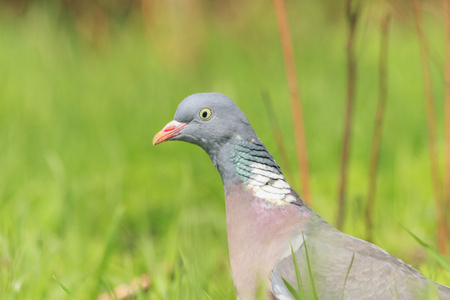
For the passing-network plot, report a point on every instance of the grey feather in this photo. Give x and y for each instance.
(372, 274)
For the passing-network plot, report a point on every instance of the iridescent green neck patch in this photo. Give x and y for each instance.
(259, 173)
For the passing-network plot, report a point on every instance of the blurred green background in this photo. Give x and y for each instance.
(84, 86)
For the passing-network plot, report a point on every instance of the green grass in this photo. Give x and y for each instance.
(300, 294)
(86, 200)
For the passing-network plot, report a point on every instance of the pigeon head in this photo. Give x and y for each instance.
(208, 120)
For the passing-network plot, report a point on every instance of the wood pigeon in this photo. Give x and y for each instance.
(269, 226)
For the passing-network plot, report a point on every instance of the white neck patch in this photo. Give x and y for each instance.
(268, 186)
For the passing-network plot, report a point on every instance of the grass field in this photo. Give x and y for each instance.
(86, 199)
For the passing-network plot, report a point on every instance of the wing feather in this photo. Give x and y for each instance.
(345, 267)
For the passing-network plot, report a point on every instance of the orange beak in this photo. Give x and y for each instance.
(168, 132)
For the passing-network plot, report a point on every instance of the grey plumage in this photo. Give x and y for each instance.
(265, 216)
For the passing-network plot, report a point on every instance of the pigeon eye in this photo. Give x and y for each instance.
(205, 114)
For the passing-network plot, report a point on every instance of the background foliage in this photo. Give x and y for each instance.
(84, 86)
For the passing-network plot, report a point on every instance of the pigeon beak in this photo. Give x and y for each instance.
(168, 132)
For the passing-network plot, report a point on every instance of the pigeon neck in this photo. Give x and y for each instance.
(249, 164)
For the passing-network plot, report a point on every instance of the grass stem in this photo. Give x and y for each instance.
(431, 126)
(277, 134)
(346, 275)
(446, 10)
(297, 115)
(376, 139)
(352, 20)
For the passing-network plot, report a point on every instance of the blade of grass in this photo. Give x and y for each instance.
(309, 269)
(446, 10)
(181, 275)
(396, 288)
(300, 294)
(66, 289)
(352, 20)
(376, 140)
(346, 275)
(291, 289)
(431, 126)
(445, 263)
(261, 292)
(297, 115)
(109, 293)
(108, 249)
(277, 134)
(297, 274)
